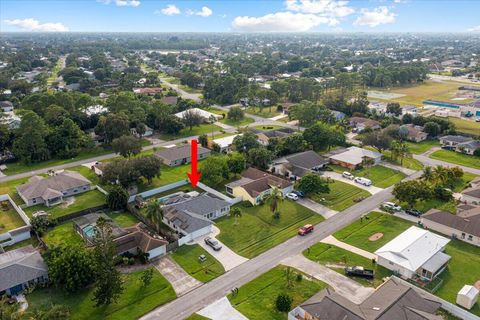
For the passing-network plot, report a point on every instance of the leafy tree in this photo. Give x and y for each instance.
(243, 143)
(108, 286)
(306, 112)
(236, 162)
(214, 170)
(411, 191)
(203, 140)
(313, 183)
(112, 126)
(322, 136)
(40, 225)
(70, 268)
(293, 143)
(30, 144)
(283, 303)
(54, 115)
(191, 119)
(432, 128)
(378, 140)
(117, 198)
(148, 167)
(146, 277)
(172, 125)
(235, 114)
(127, 146)
(237, 213)
(154, 213)
(67, 139)
(394, 108)
(476, 153)
(4, 136)
(260, 157)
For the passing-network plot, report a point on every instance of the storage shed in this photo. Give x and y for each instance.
(467, 296)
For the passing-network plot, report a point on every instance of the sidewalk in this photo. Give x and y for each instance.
(333, 241)
(181, 281)
(317, 207)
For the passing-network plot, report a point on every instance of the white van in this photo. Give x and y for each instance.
(364, 181)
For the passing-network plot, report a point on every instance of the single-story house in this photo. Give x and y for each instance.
(354, 157)
(206, 204)
(225, 143)
(392, 300)
(264, 136)
(468, 147)
(169, 100)
(359, 124)
(451, 141)
(148, 91)
(6, 106)
(414, 133)
(21, 269)
(415, 253)
(255, 185)
(179, 155)
(205, 115)
(472, 195)
(465, 225)
(298, 164)
(52, 190)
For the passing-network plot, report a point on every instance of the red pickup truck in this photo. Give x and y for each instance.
(306, 229)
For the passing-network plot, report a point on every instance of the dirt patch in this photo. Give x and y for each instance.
(477, 285)
(67, 202)
(375, 237)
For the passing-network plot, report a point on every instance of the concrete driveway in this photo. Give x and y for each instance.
(225, 256)
(181, 281)
(343, 285)
(316, 207)
(221, 310)
(338, 176)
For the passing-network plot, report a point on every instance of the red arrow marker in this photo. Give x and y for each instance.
(194, 176)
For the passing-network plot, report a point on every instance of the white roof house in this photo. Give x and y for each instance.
(202, 113)
(225, 142)
(354, 156)
(467, 296)
(415, 251)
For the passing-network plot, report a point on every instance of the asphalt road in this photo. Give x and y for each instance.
(433, 162)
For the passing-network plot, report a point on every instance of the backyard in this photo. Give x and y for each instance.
(257, 230)
(381, 176)
(134, 302)
(256, 299)
(9, 217)
(457, 158)
(341, 196)
(187, 257)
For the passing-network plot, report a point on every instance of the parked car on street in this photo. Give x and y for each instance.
(292, 196)
(358, 271)
(413, 212)
(391, 207)
(212, 243)
(299, 193)
(348, 175)
(363, 181)
(306, 229)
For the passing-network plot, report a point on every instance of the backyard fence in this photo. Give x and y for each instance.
(80, 213)
(158, 190)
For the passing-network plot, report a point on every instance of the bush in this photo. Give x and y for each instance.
(299, 277)
(283, 303)
(276, 215)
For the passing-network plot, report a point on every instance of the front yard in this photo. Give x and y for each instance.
(341, 195)
(257, 230)
(469, 127)
(256, 299)
(196, 131)
(457, 158)
(134, 302)
(423, 146)
(381, 176)
(187, 257)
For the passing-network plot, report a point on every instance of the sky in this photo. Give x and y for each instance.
(240, 16)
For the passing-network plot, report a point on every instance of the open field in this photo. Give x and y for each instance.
(381, 176)
(187, 257)
(9, 217)
(257, 230)
(196, 131)
(337, 258)
(267, 128)
(266, 112)
(341, 196)
(457, 158)
(256, 299)
(469, 127)
(134, 302)
(421, 147)
(85, 200)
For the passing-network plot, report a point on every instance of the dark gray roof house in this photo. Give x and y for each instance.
(20, 269)
(392, 300)
(452, 140)
(299, 164)
(179, 155)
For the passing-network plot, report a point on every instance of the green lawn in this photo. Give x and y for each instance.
(457, 158)
(9, 217)
(32, 241)
(256, 299)
(123, 219)
(62, 234)
(358, 232)
(196, 131)
(187, 257)
(267, 128)
(197, 317)
(381, 176)
(85, 200)
(266, 112)
(257, 230)
(341, 195)
(134, 302)
(466, 126)
(236, 123)
(421, 147)
(9, 188)
(167, 176)
(409, 162)
(336, 258)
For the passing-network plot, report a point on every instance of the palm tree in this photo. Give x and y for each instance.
(440, 175)
(274, 198)
(428, 174)
(237, 213)
(403, 151)
(154, 213)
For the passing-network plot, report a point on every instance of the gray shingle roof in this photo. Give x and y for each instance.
(307, 160)
(470, 224)
(187, 221)
(458, 139)
(179, 152)
(202, 204)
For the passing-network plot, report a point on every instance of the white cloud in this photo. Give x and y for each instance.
(31, 24)
(170, 10)
(281, 22)
(375, 17)
(122, 3)
(474, 29)
(205, 12)
(324, 7)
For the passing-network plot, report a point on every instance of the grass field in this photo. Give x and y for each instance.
(187, 257)
(265, 112)
(9, 217)
(408, 162)
(267, 128)
(341, 196)
(85, 200)
(257, 230)
(234, 123)
(423, 146)
(457, 158)
(381, 176)
(256, 299)
(9, 188)
(56, 69)
(196, 131)
(134, 302)
(466, 126)
(337, 258)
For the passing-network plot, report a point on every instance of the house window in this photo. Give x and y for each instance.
(75, 190)
(470, 237)
(84, 188)
(463, 235)
(34, 201)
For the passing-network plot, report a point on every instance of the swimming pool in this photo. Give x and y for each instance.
(89, 231)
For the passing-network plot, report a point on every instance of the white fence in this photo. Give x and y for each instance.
(161, 189)
(214, 192)
(19, 210)
(18, 234)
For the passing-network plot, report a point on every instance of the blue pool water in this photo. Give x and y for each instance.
(89, 231)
